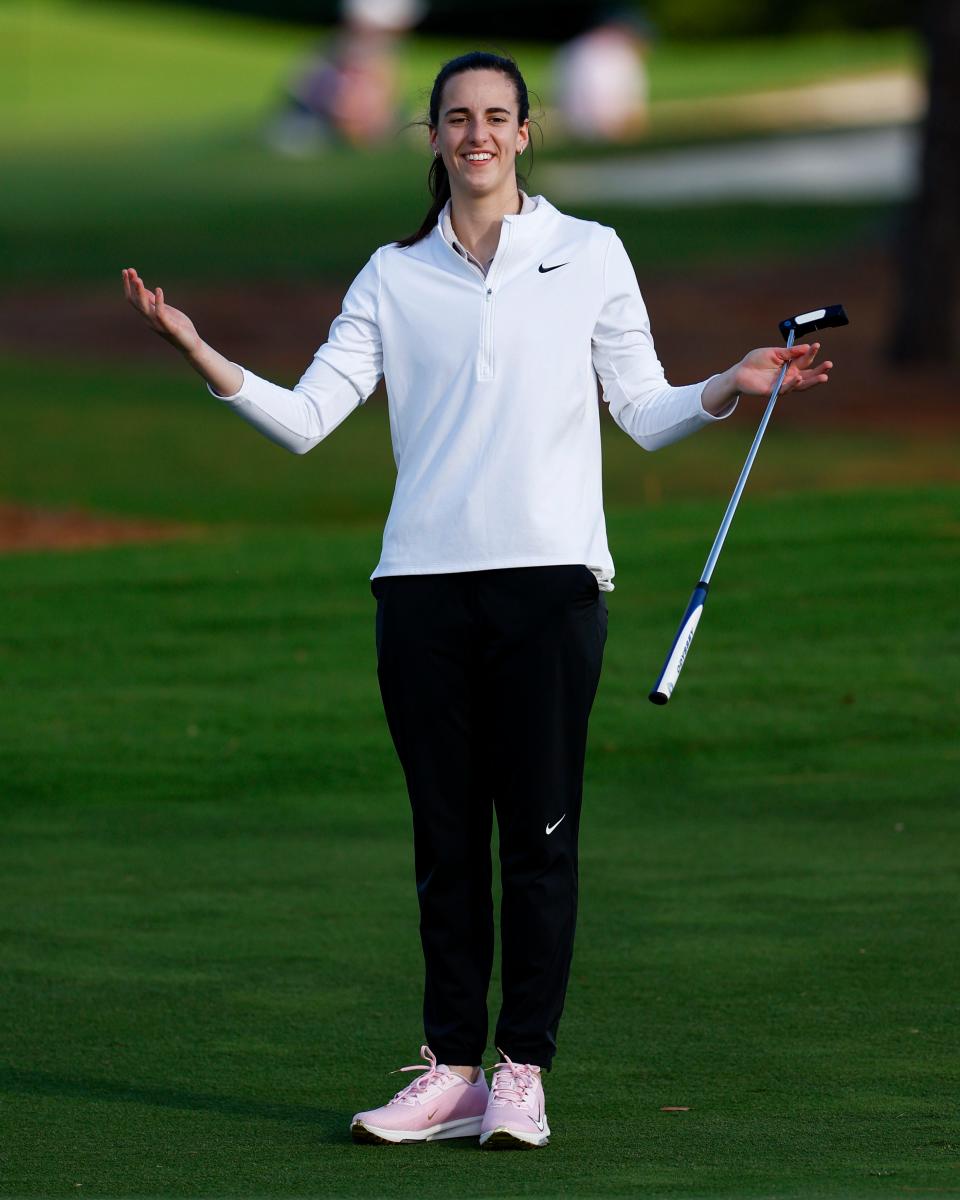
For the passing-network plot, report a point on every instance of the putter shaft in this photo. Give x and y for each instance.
(677, 654)
(741, 482)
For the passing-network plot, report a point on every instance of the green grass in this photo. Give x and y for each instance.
(209, 940)
(209, 944)
(697, 70)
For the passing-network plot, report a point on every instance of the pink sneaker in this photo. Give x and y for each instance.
(515, 1118)
(440, 1104)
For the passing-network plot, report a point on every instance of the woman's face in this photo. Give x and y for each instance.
(479, 134)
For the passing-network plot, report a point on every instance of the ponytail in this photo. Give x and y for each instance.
(438, 181)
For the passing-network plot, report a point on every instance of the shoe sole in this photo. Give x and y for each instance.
(508, 1139)
(372, 1135)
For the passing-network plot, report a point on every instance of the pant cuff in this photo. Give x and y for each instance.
(541, 1059)
(455, 1055)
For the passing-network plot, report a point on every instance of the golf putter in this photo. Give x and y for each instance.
(791, 328)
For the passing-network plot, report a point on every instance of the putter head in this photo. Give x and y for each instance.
(820, 318)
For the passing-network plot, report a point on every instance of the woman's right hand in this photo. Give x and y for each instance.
(171, 324)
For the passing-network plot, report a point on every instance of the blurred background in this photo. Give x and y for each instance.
(205, 831)
(249, 157)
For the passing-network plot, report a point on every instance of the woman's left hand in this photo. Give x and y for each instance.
(757, 372)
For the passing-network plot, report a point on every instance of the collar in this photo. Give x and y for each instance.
(445, 225)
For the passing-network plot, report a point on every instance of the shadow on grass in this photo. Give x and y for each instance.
(17, 1081)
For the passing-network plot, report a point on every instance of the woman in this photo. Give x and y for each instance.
(490, 326)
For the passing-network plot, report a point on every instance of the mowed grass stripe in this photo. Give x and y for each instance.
(210, 945)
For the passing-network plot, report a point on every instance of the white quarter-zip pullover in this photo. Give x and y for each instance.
(492, 392)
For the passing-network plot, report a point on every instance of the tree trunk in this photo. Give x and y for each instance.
(925, 329)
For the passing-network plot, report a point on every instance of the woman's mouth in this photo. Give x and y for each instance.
(478, 157)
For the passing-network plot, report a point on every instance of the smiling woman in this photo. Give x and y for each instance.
(491, 326)
(484, 125)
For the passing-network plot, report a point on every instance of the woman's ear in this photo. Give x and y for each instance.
(523, 136)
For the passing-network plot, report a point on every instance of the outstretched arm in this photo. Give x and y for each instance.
(641, 401)
(176, 328)
(344, 372)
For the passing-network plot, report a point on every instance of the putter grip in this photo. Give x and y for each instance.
(677, 655)
(821, 318)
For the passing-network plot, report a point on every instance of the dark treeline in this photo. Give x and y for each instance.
(557, 20)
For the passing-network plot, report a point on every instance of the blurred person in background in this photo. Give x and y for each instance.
(490, 325)
(349, 91)
(600, 79)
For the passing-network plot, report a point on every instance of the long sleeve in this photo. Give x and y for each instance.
(642, 402)
(344, 372)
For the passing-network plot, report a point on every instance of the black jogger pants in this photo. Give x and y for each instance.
(487, 679)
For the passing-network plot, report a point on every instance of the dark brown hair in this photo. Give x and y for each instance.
(437, 179)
